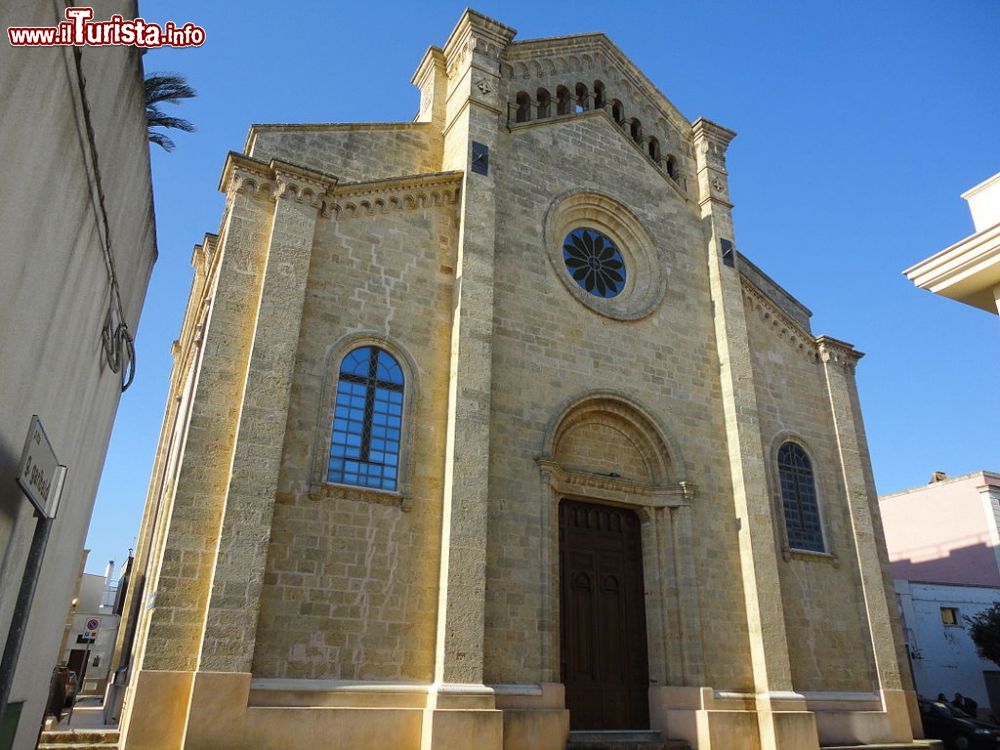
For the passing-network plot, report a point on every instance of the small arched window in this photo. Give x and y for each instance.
(617, 112)
(544, 100)
(564, 101)
(367, 420)
(582, 98)
(635, 128)
(672, 166)
(654, 149)
(798, 496)
(599, 97)
(523, 107)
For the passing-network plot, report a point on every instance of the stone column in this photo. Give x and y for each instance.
(461, 710)
(786, 724)
(222, 681)
(839, 360)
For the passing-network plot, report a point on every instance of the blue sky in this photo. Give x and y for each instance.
(860, 123)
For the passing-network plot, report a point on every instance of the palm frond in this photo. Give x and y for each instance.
(161, 140)
(165, 87)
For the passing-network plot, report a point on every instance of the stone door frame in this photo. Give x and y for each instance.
(673, 620)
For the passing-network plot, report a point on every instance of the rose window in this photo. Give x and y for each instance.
(594, 262)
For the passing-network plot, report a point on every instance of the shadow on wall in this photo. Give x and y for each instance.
(973, 565)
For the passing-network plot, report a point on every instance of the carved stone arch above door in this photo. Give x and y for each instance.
(608, 431)
(604, 448)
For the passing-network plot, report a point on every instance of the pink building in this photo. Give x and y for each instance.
(946, 531)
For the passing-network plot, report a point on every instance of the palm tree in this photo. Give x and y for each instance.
(165, 87)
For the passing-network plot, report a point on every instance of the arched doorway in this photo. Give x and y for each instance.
(614, 482)
(603, 658)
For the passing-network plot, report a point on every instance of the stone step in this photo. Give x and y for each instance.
(617, 739)
(79, 739)
(915, 745)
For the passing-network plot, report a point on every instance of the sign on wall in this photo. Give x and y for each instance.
(39, 470)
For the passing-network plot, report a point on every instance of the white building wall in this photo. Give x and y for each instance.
(54, 296)
(943, 657)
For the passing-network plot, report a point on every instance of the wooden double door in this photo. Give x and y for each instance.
(603, 619)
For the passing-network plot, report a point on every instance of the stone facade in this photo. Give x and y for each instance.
(281, 608)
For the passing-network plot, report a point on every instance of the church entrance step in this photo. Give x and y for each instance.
(915, 745)
(617, 739)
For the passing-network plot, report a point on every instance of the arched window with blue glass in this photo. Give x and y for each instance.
(798, 495)
(367, 420)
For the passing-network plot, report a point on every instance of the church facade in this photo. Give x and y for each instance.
(481, 431)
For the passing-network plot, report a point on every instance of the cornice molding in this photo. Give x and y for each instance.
(711, 141)
(277, 180)
(615, 489)
(838, 352)
(782, 324)
(433, 59)
(359, 200)
(475, 32)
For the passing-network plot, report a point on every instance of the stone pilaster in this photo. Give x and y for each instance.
(185, 542)
(472, 56)
(432, 80)
(231, 618)
(205, 591)
(684, 541)
(753, 507)
(839, 360)
(184, 352)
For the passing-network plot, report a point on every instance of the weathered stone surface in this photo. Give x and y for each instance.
(671, 398)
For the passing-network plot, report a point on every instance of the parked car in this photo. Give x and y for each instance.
(957, 729)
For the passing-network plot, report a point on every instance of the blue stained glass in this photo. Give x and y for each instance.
(594, 262)
(388, 369)
(369, 397)
(356, 362)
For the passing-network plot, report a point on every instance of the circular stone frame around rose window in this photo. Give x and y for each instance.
(645, 281)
